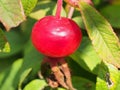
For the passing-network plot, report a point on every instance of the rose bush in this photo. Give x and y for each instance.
(94, 66)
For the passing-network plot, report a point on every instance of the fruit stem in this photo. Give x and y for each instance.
(70, 13)
(59, 7)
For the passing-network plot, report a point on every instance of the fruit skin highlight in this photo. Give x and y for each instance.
(56, 37)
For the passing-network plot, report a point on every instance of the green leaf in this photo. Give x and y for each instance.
(118, 83)
(108, 77)
(61, 89)
(26, 31)
(97, 2)
(11, 13)
(42, 9)
(32, 60)
(4, 45)
(82, 83)
(45, 7)
(63, 13)
(78, 70)
(28, 5)
(79, 21)
(5, 63)
(35, 85)
(8, 77)
(23, 77)
(86, 56)
(16, 41)
(116, 2)
(17, 73)
(101, 34)
(111, 14)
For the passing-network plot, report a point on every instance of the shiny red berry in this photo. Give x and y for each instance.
(56, 37)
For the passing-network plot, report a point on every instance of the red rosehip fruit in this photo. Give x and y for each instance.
(56, 37)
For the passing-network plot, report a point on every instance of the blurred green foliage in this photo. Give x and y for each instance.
(19, 68)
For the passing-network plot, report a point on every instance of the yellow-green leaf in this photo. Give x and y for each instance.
(86, 56)
(23, 77)
(108, 77)
(4, 45)
(28, 5)
(36, 84)
(45, 7)
(112, 15)
(9, 77)
(11, 13)
(104, 40)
